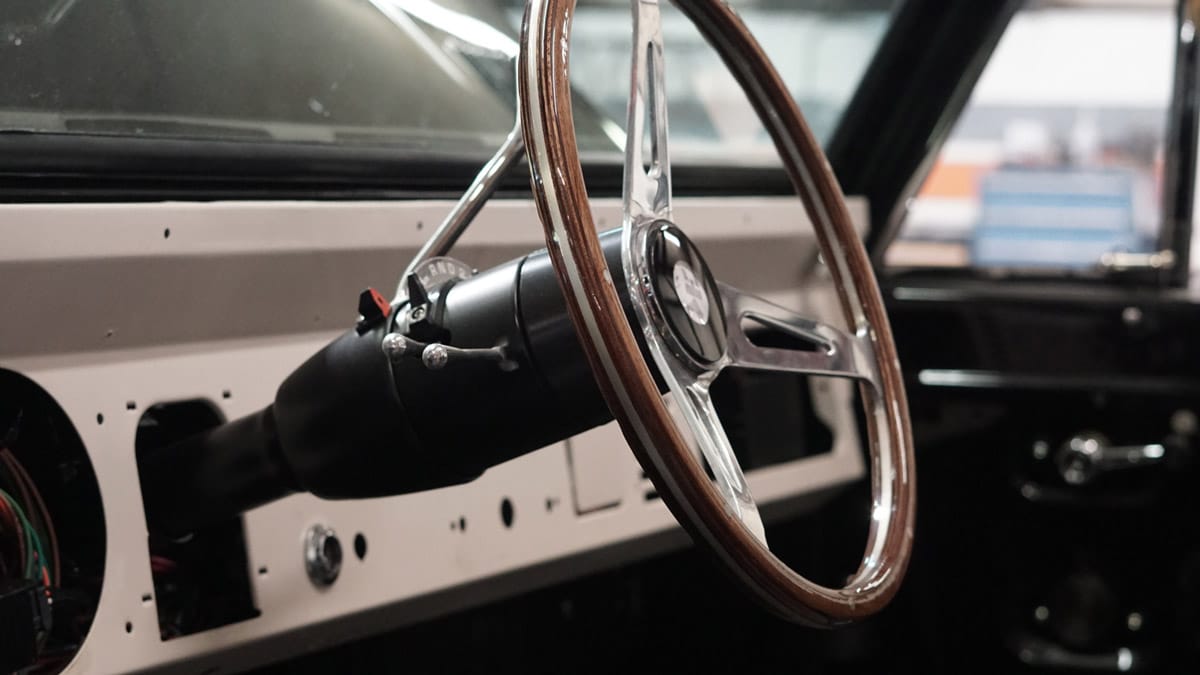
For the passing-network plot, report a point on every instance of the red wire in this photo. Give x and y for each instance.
(161, 565)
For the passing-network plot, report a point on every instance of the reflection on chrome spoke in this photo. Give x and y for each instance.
(835, 352)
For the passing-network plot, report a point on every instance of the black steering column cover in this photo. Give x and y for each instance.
(342, 427)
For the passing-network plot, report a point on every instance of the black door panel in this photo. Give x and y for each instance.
(1026, 565)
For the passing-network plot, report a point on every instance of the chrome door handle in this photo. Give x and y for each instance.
(1087, 455)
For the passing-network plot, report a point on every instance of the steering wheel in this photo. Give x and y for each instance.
(692, 325)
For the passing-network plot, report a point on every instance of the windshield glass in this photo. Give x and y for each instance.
(820, 47)
(417, 75)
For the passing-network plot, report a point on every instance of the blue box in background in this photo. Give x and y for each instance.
(1058, 218)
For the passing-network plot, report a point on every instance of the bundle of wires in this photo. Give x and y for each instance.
(31, 543)
(29, 519)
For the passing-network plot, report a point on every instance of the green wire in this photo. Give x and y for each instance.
(30, 547)
(31, 536)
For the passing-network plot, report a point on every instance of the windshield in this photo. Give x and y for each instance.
(413, 75)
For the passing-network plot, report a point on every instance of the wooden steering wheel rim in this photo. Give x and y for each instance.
(622, 372)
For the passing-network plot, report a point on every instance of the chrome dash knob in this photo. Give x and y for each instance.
(322, 555)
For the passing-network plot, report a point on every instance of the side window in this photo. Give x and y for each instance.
(1057, 158)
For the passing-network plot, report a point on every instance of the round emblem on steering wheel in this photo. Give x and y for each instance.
(685, 293)
(691, 293)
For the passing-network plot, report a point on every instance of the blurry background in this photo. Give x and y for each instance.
(1057, 158)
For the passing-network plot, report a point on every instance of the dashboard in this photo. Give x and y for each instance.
(132, 325)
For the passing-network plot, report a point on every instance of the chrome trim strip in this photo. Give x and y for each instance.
(991, 379)
(470, 204)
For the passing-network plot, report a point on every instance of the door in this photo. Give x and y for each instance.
(1039, 294)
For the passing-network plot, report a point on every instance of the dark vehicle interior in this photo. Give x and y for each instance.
(219, 453)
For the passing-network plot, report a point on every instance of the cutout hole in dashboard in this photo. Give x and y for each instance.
(53, 499)
(201, 578)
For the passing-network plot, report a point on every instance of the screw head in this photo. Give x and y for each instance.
(416, 314)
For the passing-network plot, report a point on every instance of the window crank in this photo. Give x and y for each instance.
(1088, 455)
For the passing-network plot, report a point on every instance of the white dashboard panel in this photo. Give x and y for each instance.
(139, 304)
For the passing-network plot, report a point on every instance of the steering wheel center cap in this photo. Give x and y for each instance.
(691, 293)
(685, 293)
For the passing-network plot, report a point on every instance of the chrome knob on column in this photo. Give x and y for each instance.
(322, 555)
(1088, 455)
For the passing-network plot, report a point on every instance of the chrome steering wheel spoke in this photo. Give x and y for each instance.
(647, 200)
(698, 410)
(647, 184)
(689, 388)
(831, 352)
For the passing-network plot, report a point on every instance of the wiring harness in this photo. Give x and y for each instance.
(30, 567)
(26, 525)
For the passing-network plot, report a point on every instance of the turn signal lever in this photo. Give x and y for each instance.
(436, 356)
(468, 371)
